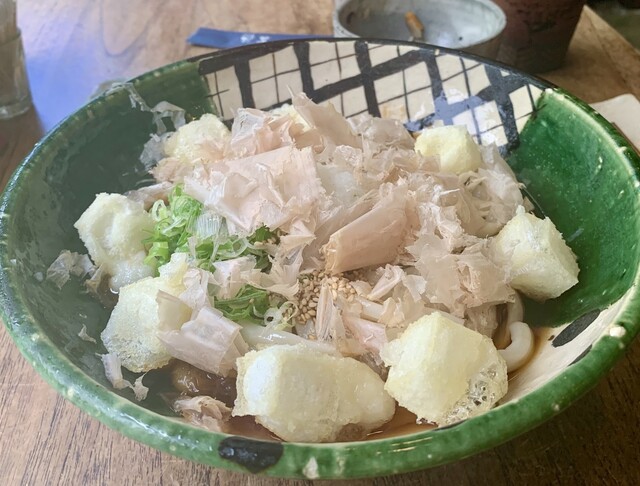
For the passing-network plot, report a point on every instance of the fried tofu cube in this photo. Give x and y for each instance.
(131, 332)
(452, 145)
(113, 228)
(203, 139)
(304, 395)
(540, 263)
(443, 372)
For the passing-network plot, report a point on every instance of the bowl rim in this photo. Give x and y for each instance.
(389, 456)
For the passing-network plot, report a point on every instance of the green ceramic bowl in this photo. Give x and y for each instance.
(577, 169)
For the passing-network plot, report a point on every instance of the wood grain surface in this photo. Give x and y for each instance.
(74, 45)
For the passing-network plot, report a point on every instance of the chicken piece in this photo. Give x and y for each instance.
(540, 263)
(444, 372)
(453, 146)
(303, 395)
(113, 229)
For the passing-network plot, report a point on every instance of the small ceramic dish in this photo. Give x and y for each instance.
(474, 26)
(577, 168)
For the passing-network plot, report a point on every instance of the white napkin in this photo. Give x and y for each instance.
(624, 112)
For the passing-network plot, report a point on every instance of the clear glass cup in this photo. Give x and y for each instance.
(15, 97)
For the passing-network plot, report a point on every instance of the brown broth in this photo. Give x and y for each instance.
(189, 380)
(540, 337)
(402, 423)
(247, 427)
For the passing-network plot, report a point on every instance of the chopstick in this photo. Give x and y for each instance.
(225, 39)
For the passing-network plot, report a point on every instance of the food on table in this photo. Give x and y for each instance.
(321, 269)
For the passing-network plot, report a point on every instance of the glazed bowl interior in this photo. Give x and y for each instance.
(577, 169)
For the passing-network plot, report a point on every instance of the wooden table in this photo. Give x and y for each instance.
(72, 46)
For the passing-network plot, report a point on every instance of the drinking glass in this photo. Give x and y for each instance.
(15, 97)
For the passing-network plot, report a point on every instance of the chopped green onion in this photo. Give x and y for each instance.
(184, 218)
(249, 305)
(174, 226)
